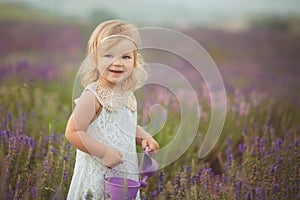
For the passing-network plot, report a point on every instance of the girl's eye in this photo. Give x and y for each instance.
(126, 57)
(108, 56)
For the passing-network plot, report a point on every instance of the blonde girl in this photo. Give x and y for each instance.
(103, 126)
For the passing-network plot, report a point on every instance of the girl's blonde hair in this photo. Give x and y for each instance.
(96, 46)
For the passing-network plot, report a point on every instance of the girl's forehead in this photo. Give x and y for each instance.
(122, 47)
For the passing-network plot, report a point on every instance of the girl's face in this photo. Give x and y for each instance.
(117, 63)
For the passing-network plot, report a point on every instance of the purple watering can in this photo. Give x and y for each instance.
(119, 188)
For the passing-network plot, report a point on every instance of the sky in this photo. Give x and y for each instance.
(172, 12)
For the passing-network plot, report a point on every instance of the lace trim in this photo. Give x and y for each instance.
(112, 101)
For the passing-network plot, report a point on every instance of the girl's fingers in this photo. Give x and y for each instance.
(153, 145)
(144, 144)
(121, 158)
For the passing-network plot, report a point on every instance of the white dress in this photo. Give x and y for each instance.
(115, 127)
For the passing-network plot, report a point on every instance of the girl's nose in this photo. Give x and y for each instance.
(117, 62)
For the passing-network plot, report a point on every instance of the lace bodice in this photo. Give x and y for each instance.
(115, 127)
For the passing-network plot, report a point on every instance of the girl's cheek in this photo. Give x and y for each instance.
(130, 63)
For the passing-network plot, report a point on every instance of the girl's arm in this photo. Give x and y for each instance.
(143, 138)
(83, 114)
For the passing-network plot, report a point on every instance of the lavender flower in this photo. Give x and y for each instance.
(187, 168)
(242, 148)
(11, 142)
(46, 166)
(278, 145)
(216, 187)
(276, 187)
(9, 117)
(258, 191)
(229, 158)
(160, 181)
(247, 196)
(65, 175)
(238, 189)
(33, 193)
(195, 178)
(261, 147)
(53, 150)
(228, 141)
(227, 151)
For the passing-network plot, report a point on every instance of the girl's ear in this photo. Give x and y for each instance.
(137, 58)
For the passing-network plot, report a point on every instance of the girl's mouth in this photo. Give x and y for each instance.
(116, 71)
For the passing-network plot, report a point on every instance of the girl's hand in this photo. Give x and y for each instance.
(153, 145)
(111, 157)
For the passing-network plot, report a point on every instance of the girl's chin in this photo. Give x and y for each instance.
(115, 81)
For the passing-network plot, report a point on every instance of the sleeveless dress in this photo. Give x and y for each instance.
(114, 127)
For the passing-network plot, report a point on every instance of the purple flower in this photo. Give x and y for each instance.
(258, 191)
(229, 158)
(187, 168)
(66, 158)
(30, 142)
(272, 169)
(160, 181)
(238, 189)
(153, 195)
(216, 187)
(247, 196)
(276, 187)
(228, 141)
(65, 175)
(9, 117)
(53, 150)
(11, 142)
(227, 151)
(53, 137)
(278, 145)
(242, 148)
(4, 135)
(195, 178)
(33, 193)
(256, 140)
(296, 143)
(46, 166)
(204, 173)
(278, 159)
(261, 147)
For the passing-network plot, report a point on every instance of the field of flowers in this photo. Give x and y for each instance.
(256, 157)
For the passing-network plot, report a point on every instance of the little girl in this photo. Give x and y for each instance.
(103, 124)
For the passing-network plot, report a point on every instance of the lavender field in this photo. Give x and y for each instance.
(256, 157)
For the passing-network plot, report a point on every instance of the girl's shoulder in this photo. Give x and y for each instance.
(111, 100)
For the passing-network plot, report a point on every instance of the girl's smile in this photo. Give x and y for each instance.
(116, 71)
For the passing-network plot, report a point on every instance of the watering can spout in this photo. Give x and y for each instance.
(148, 168)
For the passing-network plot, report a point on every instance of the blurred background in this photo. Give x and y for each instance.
(256, 38)
(255, 45)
